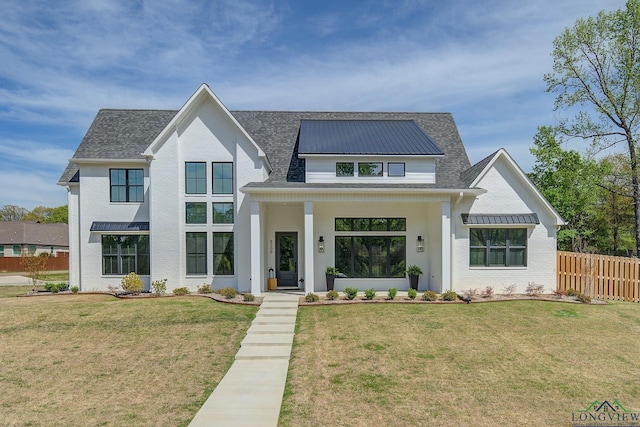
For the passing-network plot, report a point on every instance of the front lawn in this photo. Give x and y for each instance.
(96, 360)
(494, 364)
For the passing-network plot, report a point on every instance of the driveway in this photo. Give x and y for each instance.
(14, 281)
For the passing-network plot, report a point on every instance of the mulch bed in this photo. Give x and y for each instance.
(474, 300)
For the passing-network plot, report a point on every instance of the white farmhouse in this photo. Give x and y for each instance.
(228, 198)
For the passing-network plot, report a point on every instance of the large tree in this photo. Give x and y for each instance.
(596, 74)
(12, 213)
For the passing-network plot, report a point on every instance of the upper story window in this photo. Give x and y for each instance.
(195, 177)
(223, 213)
(370, 169)
(344, 169)
(498, 247)
(127, 185)
(395, 169)
(222, 178)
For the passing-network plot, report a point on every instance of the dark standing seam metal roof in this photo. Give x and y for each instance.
(500, 219)
(124, 134)
(375, 137)
(119, 226)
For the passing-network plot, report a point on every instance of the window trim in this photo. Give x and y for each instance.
(507, 247)
(127, 185)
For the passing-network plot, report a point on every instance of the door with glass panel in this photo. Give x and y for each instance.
(287, 259)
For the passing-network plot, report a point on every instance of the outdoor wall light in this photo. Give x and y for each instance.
(321, 244)
(420, 244)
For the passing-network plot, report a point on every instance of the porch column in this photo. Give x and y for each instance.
(446, 245)
(309, 244)
(256, 249)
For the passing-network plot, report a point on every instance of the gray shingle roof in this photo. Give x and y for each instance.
(470, 175)
(377, 137)
(124, 134)
(34, 233)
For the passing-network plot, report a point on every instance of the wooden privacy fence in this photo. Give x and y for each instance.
(599, 276)
(53, 263)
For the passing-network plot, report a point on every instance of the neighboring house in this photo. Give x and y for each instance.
(207, 195)
(32, 237)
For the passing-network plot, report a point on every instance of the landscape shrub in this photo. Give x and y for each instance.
(132, 283)
(248, 297)
(332, 294)
(159, 287)
(370, 294)
(534, 289)
(56, 287)
(488, 292)
(470, 293)
(311, 297)
(572, 292)
(508, 290)
(429, 296)
(205, 289)
(392, 293)
(583, 298)
(350, 293)
(412, 293)
(181, 291)
(449, 296)
(228, 293)
(75, 289)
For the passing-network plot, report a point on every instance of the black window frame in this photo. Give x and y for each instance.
(225, 179)
(492, 250)
(128, 187)
(215, 218)
(360, 174)
(140, 255)
(404, 169)
(339, 170)
(354, 246)
(196, 260)
(192, 217)
(223, 253)
(195, 184)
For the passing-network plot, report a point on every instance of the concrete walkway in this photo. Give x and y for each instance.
(250, 394)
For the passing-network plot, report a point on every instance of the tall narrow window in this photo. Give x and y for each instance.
(223, 213)
(195, 177)
(1, 251)
(196, 213)
(196, 253)
(17, 250)
(222, 178)
(127, 185)
(223, 253)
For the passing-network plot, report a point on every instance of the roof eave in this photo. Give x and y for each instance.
(324, 190)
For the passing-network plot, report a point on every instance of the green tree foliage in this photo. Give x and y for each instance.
(596, 74)
(568, 181)
(12, 213)
(39, 213)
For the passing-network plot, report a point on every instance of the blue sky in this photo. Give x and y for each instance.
(61, 61)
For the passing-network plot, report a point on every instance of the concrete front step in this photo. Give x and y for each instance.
(275, 352)
(267, 339)
(285, 320)
(271, 329)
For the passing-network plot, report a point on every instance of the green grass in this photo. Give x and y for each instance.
(97, 360)
(508, 363)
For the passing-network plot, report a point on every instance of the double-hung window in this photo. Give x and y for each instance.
(196, 253)
(498, 247)
(127, 185)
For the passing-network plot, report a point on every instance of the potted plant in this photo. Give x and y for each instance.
(414, 273)
(330, 273)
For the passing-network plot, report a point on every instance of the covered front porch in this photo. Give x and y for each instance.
(371, 239)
